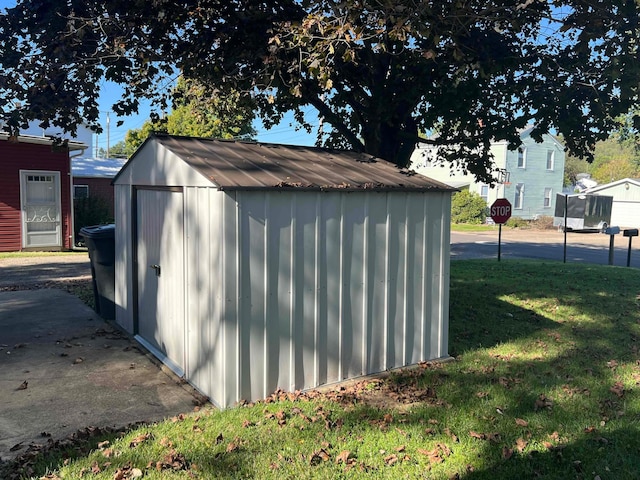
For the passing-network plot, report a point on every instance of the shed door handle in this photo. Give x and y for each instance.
(156, 268)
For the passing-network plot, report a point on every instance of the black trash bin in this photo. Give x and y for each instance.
(100, 241)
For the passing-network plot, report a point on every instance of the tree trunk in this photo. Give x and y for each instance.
(392, 142)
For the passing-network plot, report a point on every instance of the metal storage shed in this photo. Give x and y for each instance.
(625, 211)
(252, 267)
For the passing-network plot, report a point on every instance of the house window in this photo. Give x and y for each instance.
(519, 200)
(40, 178)
(484, 192)
(550, 159)
(80, 191)
(547, 198)
(522, 158)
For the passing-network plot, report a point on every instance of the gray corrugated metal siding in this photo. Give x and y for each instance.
(296, 288)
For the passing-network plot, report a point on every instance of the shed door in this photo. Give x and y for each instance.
(161, 319)
(41, 225)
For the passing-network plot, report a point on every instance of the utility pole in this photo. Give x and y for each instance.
(108, 123)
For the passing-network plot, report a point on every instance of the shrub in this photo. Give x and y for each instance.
(90, 211)
(544, 222)
(468, 207)
(517, 222)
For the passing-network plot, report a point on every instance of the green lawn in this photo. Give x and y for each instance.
(470, 227)
(545, 384)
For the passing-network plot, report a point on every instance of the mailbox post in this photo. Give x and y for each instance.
(631, 232)
(612, 232)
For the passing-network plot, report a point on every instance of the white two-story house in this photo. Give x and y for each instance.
(534, 174)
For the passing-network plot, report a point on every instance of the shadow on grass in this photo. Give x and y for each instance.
(493, 303)
(544, 386)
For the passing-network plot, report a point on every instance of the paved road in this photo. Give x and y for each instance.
(544, 244)
(37, 270)
(535, 244)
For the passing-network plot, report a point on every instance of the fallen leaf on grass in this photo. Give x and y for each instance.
(16, 447)
(178, 418)
(136, 473)
(172, 461)
(343, 457)
(391, 459)
(618, 389)
(319, 456)
(521, 444)
(165, 442)
(492, 437)
(451, 434)
(438, 454)
(127, 472)
(139, 439)
(542, 402)
(521, 422)
(507, 453)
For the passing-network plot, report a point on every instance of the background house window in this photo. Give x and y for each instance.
(484, 192)
(519, 200)
(80, 191)
(521, 158)
(547, 198)
(550, 159)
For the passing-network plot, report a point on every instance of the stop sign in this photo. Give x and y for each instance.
(500, 210)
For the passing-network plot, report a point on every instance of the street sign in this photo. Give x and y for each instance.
(500, 211)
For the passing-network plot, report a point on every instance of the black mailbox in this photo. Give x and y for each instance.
(630, 232)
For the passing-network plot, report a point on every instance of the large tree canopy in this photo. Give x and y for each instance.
(197, 112)
(379, 72)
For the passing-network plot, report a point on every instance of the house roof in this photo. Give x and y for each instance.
(38, 140)
(96, 167)
(606, 186)
(239, 165)
(523, 132)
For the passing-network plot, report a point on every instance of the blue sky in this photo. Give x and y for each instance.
(110, 93)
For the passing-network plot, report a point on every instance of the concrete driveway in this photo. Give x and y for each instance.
(62, 368)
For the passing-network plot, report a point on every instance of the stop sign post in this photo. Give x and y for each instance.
(500, 212)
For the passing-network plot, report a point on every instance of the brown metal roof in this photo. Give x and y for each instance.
(237, 165)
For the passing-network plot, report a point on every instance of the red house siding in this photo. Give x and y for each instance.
(16, 156)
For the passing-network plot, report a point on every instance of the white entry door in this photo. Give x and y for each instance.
(41, 212)
(160, 266)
